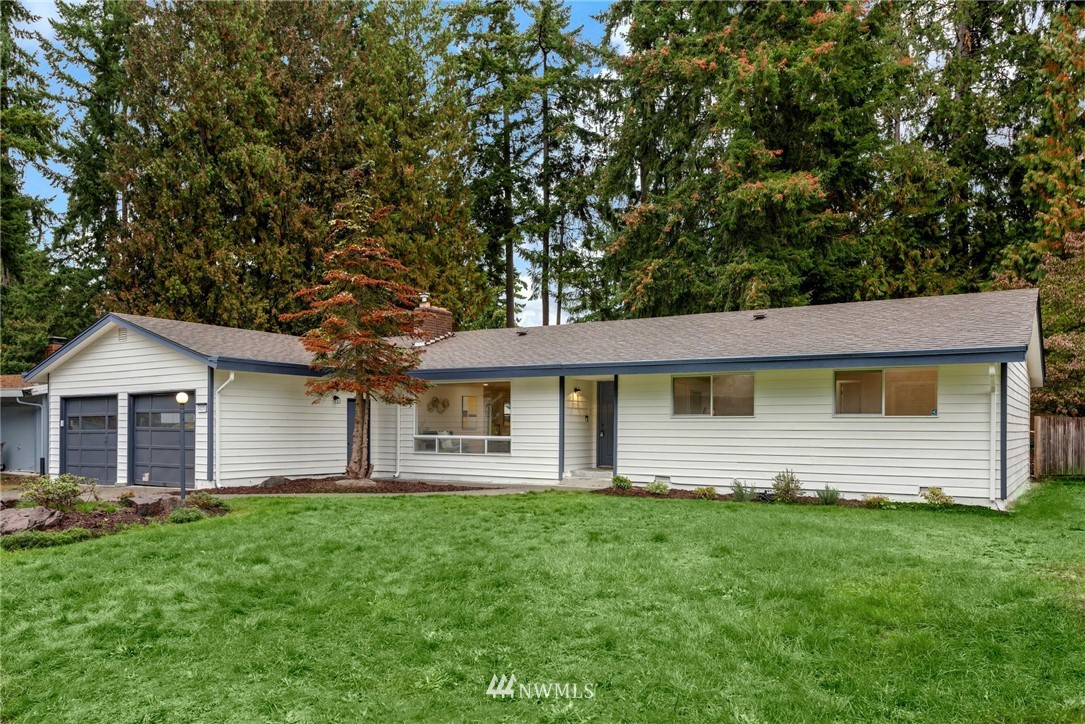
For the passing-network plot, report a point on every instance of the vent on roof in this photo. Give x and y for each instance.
(122, 335)
(759, 315)
(521, 333)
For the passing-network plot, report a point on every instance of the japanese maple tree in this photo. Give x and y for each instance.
(365, 323)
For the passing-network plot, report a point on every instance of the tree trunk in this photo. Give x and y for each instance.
(359, 466)
(559, 271)
(544, 282)
(510, 250)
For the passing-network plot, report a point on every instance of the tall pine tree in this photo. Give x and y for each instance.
(28, 128)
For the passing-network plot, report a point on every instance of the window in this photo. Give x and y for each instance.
(472, 418)
(715, 395)
(911, 392)
(907, 392)
(859, 393)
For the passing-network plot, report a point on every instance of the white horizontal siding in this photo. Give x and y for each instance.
(579, 425)
(108, 366)
(534, 457)
(268, 425)
(1017, 428)
(794, 428)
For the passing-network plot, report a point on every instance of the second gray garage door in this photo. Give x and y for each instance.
(156, 440)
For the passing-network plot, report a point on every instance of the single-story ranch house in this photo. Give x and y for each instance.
(874, 398)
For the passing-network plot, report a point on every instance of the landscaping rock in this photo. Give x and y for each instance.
(352, 483)
(151, 505)
(275, 481)
(17, 520)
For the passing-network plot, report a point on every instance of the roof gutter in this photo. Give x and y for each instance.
(1015, 353)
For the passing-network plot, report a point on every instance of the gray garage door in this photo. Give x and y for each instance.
(90, 438)
(156, 440)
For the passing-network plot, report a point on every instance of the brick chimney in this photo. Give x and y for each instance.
(55, 343)
(437, 322)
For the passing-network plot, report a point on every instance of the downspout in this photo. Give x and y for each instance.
(399, 409)
(992, 482)
(218, 429)
(41, 434)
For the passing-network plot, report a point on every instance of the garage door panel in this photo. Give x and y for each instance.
(90, 438)
(156, 440)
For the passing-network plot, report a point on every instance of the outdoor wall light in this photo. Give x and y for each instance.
(576, 390)
(336, 400)
(182, 400)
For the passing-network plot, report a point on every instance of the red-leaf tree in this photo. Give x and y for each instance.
(366, 323)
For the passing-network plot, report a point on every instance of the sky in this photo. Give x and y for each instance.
(583, 14)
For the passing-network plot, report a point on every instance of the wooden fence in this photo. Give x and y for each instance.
(1059, 445)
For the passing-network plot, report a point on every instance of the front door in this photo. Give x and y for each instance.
(604, 421)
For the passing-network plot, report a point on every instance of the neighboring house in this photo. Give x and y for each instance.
(22, 431)
(113, 414)
(873, 398)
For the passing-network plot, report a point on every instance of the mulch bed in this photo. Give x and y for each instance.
(328, 485)
(636, 492)
(101, 521)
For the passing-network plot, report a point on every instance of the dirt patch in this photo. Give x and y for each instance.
(330, 485)
(101, 521)
(636, 492)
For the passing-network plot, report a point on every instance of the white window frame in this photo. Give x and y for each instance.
(882, 414)
(456, 441)
(711, 398)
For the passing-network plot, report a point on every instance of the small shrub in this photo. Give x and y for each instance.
(206, 501)
(43, 538)
(59, 493)
(878, 501)
(620, 482)
(785, 487)
(657, 488)
(89, 506)
(186, 515)
(742, 493)
(705, 493)
(936, 497)
(828, 495)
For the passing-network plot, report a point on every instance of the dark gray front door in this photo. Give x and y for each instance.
(90, 438)
(604, 421)
(156, 440)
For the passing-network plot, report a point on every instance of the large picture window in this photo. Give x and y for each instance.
(470, 418)
(906, 392)
(714, 395)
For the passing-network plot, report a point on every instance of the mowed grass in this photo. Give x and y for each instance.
(335, 609)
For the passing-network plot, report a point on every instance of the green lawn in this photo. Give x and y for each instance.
(331, 609)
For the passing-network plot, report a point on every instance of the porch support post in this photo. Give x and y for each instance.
(1002, 416)
(614, 427)
(561, 428)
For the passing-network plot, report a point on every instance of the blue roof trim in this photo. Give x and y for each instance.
(238, 364)
(90, 331)
(1014, 353)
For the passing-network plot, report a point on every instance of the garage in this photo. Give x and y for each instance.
(156, 440)
(89, 431)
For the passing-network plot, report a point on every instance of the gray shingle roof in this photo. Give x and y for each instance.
(962, 322)
(226, 342)
(987, 322)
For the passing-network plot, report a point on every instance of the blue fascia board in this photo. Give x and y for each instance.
(875, 359)
(238, 364)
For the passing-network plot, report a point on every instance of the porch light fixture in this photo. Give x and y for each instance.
(182, 400)
(576, 390)
(336, 400)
